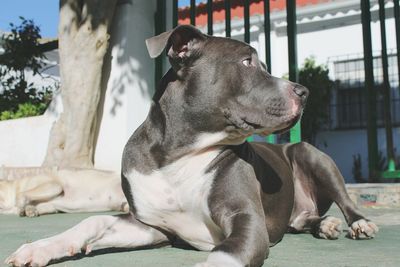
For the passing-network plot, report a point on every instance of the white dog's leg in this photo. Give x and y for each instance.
(41, 193)
(96, 232)
(44, 192)
(40, 209)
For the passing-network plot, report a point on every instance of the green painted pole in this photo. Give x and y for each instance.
(267, 33)
(295, 132)
(227, 18)
(175, 13)
(370, 91)
(193, 12)
(397, 24)
(246, 10)
(386, 86)
(271, 139)
(210, 17)
(159, 23)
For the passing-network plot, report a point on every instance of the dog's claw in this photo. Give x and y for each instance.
(88, 249)
(329, 228)
(362, 229)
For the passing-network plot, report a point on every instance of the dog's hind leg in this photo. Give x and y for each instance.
(320, 178)
(40, 194)
(96, 232)
(326, 227)
(39, 209)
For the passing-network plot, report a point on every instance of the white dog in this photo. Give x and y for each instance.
(62, 191)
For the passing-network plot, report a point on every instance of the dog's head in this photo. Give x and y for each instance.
(225, 85)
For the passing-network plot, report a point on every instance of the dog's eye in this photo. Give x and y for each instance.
(247, 62)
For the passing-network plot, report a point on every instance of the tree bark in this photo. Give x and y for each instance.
(83, 41)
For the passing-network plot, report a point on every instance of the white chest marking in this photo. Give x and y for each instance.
(175, 198)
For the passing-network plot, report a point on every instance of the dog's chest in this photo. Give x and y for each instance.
(175, 198)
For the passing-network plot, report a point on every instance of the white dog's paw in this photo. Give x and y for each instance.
(329, 228)
(220, 259)
(29, 255)
(125, 207)
(31, 211)
(41, 252)
(362, 229)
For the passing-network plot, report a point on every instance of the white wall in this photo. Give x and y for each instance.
(23, 141)
(342, 145)
(131, 82)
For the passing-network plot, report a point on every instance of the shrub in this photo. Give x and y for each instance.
(316, 114)
(19, 97)
(24, 110)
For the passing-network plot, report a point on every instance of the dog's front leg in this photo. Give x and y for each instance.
(96, 232)
(247, 242)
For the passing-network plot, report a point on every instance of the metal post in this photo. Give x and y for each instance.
(397, 23)
(159, 21)
(370, 90)
(295, 132)
(175, 13)
(193, 12)
(267, 33)
(246, 8)
(227, 18)
(210, 17)
(246, 11)
(386, 88)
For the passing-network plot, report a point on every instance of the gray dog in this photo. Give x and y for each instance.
(189, 174)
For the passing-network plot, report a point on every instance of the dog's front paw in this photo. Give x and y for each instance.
(329, 228)
(41, 252)
(125, 207)
(362, 229)
(31, 211)
(220, 259)
(29, 255)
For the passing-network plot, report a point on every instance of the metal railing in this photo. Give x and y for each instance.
(227, 5)
(292, 51)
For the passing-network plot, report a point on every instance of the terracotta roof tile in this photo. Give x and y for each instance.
(256, 7)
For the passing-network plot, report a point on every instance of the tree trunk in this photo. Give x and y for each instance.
(83, 42)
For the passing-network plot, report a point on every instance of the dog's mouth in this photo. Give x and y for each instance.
(287, 125)
(292, 123)
(240, 123)
(276, 124)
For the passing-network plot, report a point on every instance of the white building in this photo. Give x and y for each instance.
(327, 29)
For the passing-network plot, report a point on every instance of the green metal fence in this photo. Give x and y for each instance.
(295, 134)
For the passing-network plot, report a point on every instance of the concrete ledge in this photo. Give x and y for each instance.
(379, 195)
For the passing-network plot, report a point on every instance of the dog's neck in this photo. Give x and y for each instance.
(155, 142)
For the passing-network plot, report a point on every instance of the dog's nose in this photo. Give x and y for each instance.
(301, 92)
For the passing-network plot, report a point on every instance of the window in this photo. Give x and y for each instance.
(348, 108)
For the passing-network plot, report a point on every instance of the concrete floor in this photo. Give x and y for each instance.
(294, 250)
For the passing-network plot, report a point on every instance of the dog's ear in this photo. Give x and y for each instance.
(179, 42)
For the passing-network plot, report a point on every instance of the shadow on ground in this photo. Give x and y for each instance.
(294, 250)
